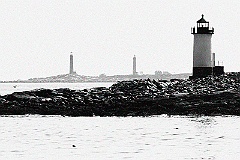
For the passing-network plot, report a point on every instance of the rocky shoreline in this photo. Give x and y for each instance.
(203, 96)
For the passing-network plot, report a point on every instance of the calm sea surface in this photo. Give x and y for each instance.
(158, 137)
(7, 88)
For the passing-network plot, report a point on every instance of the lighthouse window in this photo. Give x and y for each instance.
(203, 25)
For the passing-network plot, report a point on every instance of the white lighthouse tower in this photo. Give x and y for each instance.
(202, 52)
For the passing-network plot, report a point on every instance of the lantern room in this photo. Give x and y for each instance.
(202, 27)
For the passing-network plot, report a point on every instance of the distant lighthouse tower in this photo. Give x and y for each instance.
(134, 66)
(71, 64)
(202, 49)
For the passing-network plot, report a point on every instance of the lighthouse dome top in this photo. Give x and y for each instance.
(202, 20)
(202, 27)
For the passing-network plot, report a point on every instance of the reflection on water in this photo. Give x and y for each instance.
(160, 137)
(205, 121)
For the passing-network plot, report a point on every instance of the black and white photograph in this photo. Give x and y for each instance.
(119, 79)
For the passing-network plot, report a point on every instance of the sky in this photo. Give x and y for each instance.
(37, 36)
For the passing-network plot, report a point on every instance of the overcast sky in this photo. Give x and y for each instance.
(37, 36)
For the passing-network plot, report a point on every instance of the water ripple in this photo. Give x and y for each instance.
(44, 137)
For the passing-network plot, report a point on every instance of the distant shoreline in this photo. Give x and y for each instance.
(75, 78)
(65, 82)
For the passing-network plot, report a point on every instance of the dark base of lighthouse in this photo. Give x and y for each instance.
(218, 70)
(200, 72)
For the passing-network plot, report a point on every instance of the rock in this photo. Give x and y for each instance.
(208, 96)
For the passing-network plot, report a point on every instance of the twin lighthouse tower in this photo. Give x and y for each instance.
(203, 58)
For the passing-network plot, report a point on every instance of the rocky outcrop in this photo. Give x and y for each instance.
(206, 96)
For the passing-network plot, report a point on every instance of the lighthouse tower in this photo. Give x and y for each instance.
(202, 54)
(134, 66)
(71, 64)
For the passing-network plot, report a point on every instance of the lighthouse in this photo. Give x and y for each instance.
(202, 49)
(71, 64)
(134, 66)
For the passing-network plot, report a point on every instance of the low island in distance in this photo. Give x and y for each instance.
(76, 78)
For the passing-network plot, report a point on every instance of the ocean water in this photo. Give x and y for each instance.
(157, 137)
(8, 88)
(161, 137)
